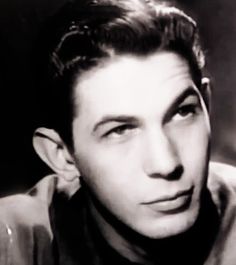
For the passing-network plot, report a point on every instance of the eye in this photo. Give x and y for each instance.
(185, 111)
(120, 131)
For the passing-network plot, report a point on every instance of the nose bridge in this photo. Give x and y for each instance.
(161, 156)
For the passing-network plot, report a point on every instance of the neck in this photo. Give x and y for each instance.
(120, 238)
(184, 248)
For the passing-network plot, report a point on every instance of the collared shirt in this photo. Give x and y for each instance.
(51, 225)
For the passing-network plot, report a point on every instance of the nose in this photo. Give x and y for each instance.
(161, 158)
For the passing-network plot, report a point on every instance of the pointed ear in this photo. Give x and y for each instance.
(53, 151)
(206, 92)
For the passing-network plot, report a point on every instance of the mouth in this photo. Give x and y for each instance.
(171, 203)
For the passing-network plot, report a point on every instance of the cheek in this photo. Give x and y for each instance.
(198, 141)
(111, 186)
(115, 164)
(106, 174)
(193, 148)
(192, 140)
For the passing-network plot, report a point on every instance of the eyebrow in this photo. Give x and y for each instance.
(190, 91)
(111, 118)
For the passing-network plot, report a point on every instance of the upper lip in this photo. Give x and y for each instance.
(171, 197)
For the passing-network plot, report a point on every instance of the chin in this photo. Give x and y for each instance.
(170, 225)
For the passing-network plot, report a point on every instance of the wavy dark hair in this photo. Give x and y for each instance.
(84, 33)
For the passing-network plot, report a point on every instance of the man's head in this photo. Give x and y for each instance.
(132, 117)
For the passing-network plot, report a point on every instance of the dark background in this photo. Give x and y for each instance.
(20, 23)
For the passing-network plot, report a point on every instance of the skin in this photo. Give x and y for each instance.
(141, 140)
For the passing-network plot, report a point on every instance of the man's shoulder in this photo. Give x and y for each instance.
(28, 207)
(222, 186)
(24, 220)
(222, 175)
(32, 206)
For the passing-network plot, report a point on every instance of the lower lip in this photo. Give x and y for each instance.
(172, 206)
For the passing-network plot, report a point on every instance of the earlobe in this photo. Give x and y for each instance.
(206, 92)
(53, 151)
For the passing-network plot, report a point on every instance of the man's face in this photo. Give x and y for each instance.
(141, 136)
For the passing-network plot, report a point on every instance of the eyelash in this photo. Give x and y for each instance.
(119, 129)
(187, 110)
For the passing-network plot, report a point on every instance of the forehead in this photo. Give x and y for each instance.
(132, 84)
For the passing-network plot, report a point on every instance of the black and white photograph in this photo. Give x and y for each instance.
(118, 132)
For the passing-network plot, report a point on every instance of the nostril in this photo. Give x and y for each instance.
(176, 173)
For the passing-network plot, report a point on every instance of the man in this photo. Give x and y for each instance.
(130, 122)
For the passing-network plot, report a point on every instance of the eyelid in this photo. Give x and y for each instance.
(124, 126)
(192, 99)
(102, 129)
(109, 127)
(188, 109)
(116, 119)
